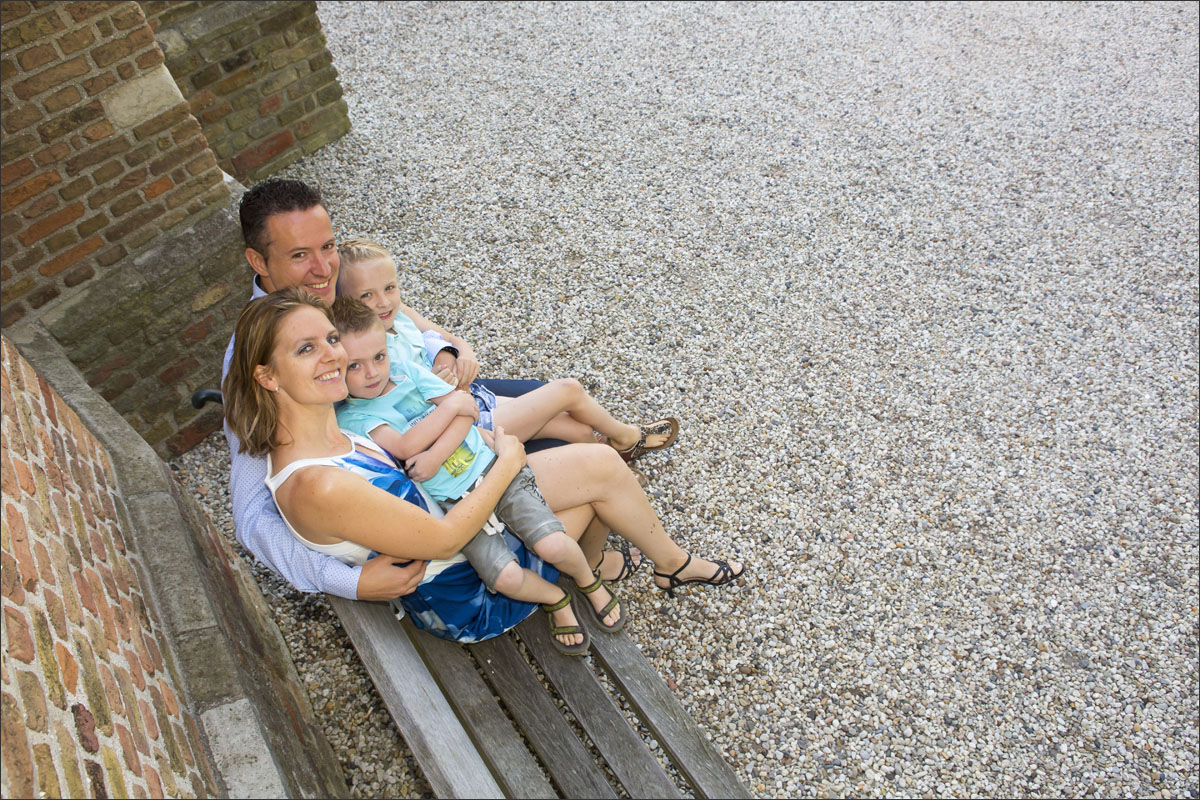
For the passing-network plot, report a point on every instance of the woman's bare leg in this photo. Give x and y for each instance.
(580, 475)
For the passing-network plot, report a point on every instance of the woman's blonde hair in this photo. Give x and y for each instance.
(250, 409)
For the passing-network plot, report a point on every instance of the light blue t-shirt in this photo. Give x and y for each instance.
(407, 343)
(405, 405)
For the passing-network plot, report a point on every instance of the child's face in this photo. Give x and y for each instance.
(373, 283)
(368, 367)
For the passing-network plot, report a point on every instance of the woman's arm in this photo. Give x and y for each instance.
(329, 504)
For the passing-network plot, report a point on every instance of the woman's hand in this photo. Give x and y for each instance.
(508, 448)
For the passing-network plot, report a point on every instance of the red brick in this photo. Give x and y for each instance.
(85, 728)
(14, 745)
(40, 207)
(75, 40)
(96, 85)
(61, 99)
(128, 750)
(79, 275)
(177, 370)
(45, 568)
(85, 592)
(158, 187)
(153, 783)
(88, 8)
(168, 697)
(100, 130)
(259, 154)
(30, 188)
(19, 544)
(23, 117)
(113, 692)
(20, 643)
(114, 51)
(148, 717)
(35, 57)
(10, 11)
(68, 667)
(30, 30)
(48, 79)
(10, 579)
(127, 17)
(61, 262)
(150, 59)
(270, 105)
(55, 152)
(97, 154)
(48, 225)
(14, 172)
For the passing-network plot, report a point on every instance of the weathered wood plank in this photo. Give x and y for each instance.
(425, 719)
(661, 712)
(569, 763)
(498, 742)
(622, 747)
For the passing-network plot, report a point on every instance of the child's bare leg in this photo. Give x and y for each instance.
(528, 416)
(521, 584)
(565, 554)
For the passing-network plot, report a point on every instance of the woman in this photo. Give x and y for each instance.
(347, 498)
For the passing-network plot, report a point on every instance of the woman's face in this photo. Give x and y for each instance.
(308, 363)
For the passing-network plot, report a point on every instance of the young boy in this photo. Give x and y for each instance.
(429, 426)
(561, 409)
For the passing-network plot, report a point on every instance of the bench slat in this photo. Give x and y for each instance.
(513, 767)
(569, 763)
(662, 713)
(415, 701)
(638, 770)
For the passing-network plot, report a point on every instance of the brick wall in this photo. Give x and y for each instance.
(258, 77)
(99, 155)
(91, 701)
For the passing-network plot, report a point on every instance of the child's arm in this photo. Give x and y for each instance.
(419, 437)
(466, 366)
(423, 466)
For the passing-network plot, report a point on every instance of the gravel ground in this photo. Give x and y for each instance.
(920, 283)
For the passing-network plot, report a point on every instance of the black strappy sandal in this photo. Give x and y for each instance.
(612, 603)
(629, 567)
(722, 576)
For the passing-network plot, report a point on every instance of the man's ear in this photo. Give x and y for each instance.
(257, 262)
(262, 374)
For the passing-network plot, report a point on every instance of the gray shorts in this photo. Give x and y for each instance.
(521, 509)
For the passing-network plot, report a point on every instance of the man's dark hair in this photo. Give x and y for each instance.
(270, 197)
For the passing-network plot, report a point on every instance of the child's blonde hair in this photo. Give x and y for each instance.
(358, 250)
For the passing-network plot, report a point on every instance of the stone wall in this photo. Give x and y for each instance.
(258, 77)
(116, 224)
(92, 704)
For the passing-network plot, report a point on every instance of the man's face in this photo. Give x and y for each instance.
(300, 252)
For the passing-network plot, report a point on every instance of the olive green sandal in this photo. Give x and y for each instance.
(612, 603)
(580, 649)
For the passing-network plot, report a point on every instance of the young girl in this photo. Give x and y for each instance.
(561, 409)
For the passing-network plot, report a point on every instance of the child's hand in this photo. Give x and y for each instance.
(445, 366)
(467, 368)
(422, 466)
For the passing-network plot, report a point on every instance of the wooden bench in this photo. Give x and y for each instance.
(467, 712)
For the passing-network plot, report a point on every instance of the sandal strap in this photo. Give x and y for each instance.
(559, 606)
(565, 630)
(673, 577)
(593, 586)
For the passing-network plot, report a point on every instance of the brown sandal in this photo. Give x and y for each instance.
(668, 427)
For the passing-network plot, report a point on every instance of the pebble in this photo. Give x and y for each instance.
(920, 283)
